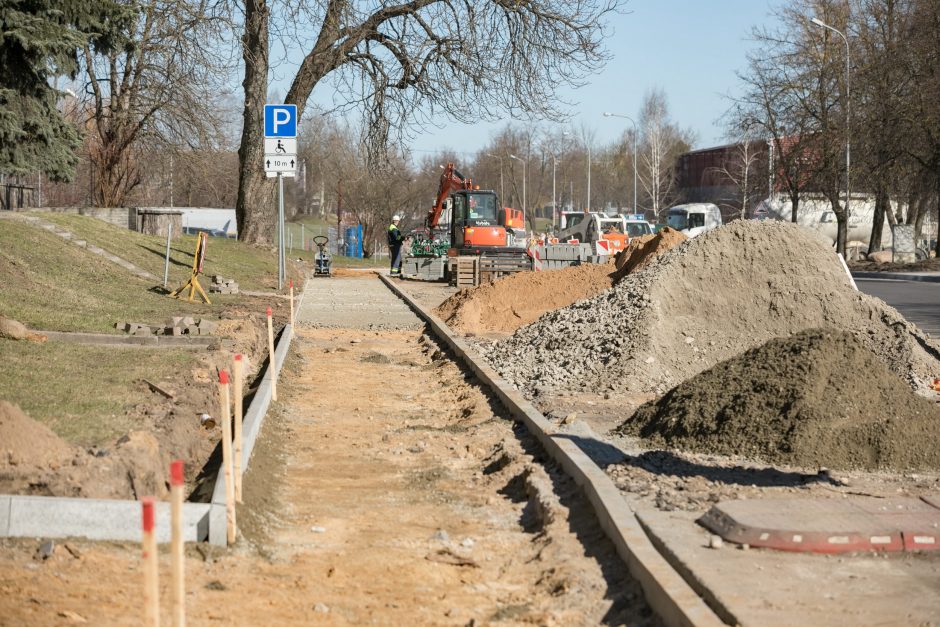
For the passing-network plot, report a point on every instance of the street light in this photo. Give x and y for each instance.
(848, 120)
(588, 147)
(607, 114)
(554, 208)
(522, 161)
(502, 196)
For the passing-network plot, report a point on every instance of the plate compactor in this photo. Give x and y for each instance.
(322, 262)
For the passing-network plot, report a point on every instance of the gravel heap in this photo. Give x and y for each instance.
(705, 301)
(818, 398)
(642, 251)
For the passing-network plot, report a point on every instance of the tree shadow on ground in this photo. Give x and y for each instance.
(162, 255)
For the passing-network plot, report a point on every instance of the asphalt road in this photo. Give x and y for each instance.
(917, 300)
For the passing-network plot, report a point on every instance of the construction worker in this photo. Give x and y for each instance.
(395, 241)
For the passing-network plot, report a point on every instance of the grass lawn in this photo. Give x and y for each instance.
(50, 284)
(254, 268)
(50, 382)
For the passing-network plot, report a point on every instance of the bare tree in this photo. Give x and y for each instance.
(661, 141)
(417, 60)
(161, 88)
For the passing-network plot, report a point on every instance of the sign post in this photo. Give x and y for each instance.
(280, 160)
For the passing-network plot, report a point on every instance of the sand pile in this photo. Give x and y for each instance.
(519, 299)
(701, 303)
(643, 250)
(818, 398)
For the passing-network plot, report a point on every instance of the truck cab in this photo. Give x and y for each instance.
(636, 225)
(608, 234)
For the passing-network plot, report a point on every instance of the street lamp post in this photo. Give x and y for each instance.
(607, 114)
(848, 122)
(554, 166)
(502, 196)
(588, 147)
(522, 161)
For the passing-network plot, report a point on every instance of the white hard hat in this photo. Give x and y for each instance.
(396, 218)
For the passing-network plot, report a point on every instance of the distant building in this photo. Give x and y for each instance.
(717, 175)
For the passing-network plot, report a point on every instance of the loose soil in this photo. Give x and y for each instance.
(643, 250)
(817, 398)
(390, 493)
(701, 303)
(519, 299)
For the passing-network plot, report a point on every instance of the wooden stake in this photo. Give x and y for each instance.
(237, 376)
(271, 366)
(292, 306)
(151, 572)
(177, 558)
(226, 418)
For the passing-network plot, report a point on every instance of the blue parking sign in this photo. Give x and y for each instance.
(280, 120)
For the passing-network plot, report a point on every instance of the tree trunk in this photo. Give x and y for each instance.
(842, 228)
(254, 209)
(937, 243)
(794, 207)
(882, 205)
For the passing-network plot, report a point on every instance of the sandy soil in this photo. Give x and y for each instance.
(386, 489)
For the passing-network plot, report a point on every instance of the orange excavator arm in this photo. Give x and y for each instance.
(451, 180)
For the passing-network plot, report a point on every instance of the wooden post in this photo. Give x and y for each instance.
(237, 376)
(151, 571)
(271, 365)
(226, 418)
(178, 560)
(292, 306)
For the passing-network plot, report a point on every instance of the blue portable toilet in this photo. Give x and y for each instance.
(354, 241)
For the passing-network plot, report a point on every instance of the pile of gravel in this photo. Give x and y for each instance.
(705, 301)
(818, 398)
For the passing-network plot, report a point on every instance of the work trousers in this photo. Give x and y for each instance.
(395, 255)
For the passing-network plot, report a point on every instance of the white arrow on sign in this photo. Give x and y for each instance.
(280, 146)
(277, 163)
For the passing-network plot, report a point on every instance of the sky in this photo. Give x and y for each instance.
(689, 48)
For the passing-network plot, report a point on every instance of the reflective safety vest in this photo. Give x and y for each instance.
(395, 238)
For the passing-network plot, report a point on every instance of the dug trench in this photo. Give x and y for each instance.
(386, 487)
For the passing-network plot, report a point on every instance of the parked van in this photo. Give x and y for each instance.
(695, 218)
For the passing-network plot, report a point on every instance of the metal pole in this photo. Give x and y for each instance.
(303, 241)
(166, 264)
(589, 177)
(280, 229)
(635, 133)
(554, 205)
(524, 203)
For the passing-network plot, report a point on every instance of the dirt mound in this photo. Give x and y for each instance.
(643, 250)
(23, 441)
(818, 398)
(701, 303)
(34, 460)
(517, 300)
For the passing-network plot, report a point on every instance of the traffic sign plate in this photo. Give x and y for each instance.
(280, 120)
(278, 163)
(280, 146)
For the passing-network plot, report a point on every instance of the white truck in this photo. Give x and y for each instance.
(637, 225)
(694, 218)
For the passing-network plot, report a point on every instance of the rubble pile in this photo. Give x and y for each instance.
(701, 303)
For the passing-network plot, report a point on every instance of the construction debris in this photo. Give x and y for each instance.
(176, 326)
(222, 285)
(729, 290)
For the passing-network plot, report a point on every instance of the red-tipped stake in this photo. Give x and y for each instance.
(151, 572)
(271, 368)
(226, 417)
(237, 394)
(177, 558)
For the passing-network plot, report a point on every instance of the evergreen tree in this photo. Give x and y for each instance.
(39, 40)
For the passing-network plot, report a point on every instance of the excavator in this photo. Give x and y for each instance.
(466, 220)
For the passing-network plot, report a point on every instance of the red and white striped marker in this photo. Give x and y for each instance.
(178, 560)
(271, 368)
(151, 571)
(226, 417)
(237, 394)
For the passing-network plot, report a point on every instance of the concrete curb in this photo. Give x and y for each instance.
(147, 341)
(673, 600)
(927, 277)
(119, 520)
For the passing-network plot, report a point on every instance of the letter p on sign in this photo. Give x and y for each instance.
(280, 120)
